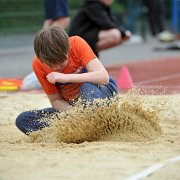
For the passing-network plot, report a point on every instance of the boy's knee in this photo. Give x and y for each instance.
(86, 86)
(20, 122)
(19, 119)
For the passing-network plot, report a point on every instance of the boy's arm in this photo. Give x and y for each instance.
(96, 74)
(58, 103)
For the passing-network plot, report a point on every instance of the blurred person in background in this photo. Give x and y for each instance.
(134, 11)
(95, 24)
(156, 16)
(56, 13)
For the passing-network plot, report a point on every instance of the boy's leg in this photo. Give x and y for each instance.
(90, 92)
(30, 120)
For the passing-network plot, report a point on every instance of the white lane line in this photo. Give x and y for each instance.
(146, 172)
(175, 159)
(162, 78)
(152, 169)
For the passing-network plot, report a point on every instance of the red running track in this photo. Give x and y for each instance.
(155, 76)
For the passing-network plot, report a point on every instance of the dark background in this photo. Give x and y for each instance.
(26, 16)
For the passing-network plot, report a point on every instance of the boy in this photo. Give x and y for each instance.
(68, 70)
(95, 24)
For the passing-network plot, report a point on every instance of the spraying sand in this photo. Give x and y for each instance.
(113, 142)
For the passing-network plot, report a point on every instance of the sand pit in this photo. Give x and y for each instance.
(106, 143)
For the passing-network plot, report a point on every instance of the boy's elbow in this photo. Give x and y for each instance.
(106, 79)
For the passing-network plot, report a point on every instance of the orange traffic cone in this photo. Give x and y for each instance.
(124, 80)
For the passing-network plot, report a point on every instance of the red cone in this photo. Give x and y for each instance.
(124, 80)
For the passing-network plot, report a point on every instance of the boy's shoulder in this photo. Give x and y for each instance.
(75, 38)
(76, 41)
(75, 44)
(80, 48)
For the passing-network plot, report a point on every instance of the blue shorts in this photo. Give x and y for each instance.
(55, 9)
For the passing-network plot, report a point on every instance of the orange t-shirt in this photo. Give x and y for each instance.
(79, 55)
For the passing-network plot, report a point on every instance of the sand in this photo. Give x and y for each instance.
(106, 143)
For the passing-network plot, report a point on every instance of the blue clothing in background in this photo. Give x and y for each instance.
(55, 9)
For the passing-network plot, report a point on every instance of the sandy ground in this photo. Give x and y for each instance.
(121, 152)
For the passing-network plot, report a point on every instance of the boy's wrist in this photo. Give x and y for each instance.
(63, 78)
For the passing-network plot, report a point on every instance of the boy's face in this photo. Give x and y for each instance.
(59, 67)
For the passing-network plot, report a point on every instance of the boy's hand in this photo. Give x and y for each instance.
(54, 77)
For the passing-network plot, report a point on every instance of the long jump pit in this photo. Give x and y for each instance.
(137, 136)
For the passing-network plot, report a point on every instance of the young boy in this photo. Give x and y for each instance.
(95, 24)
(68, 70)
